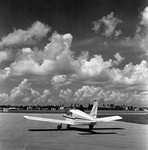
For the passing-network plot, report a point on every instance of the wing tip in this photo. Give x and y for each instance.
(26, 117)
(119, 117)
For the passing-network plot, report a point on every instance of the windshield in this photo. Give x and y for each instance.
(69, 113)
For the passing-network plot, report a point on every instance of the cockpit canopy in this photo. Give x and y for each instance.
(69, 113)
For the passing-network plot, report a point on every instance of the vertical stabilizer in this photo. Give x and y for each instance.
(94, 110)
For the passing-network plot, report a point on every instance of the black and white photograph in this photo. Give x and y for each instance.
(73, 74)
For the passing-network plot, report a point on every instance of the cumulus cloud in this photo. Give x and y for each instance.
(60, 80)
(87, 93)
(66, 95)
(4, 55)
(44, 98)
(139, 41)
(3, 98)
(119, 58)
(25, 37)
(109, 22)
(96, 26)
(144, 39)
(144, 20)
(131, 75)
(117, 33)
(24, 94)
(57, 62)
(127, 98)
(96, 68)
(135, 76)
(60, 66)
(4, 74)
(55, 58)
(105, 43)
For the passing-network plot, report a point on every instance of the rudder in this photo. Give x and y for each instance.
(94, 110)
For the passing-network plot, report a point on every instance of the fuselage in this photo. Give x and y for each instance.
(77, 117)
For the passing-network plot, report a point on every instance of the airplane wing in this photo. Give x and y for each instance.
(47, 120)
(108, 119)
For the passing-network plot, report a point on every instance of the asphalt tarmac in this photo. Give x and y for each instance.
(17, 133)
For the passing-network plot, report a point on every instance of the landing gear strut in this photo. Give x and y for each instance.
(68, 126)
(91, 126)
(59, 126)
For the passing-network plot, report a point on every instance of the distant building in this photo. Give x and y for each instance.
(61, 108)
(13, 108)
(29, 108)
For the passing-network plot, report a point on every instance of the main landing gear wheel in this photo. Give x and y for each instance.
(91, 126)
(68, 126)
(59, 126)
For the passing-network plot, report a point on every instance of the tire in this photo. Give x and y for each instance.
(59, 126)
(91, 126)
(68, 126)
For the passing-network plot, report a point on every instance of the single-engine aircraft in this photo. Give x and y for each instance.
(78, 117)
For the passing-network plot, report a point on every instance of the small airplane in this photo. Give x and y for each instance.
(77, 117)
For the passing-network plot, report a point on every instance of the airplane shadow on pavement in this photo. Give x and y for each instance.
(87, 131)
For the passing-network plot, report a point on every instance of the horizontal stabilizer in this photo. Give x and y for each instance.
(47, 120)
(108, 119)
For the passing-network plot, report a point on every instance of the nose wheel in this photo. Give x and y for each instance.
(59, 126)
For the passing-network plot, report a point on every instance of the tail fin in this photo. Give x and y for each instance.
(94, 110)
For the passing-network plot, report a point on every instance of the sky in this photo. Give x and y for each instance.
(74, 51)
